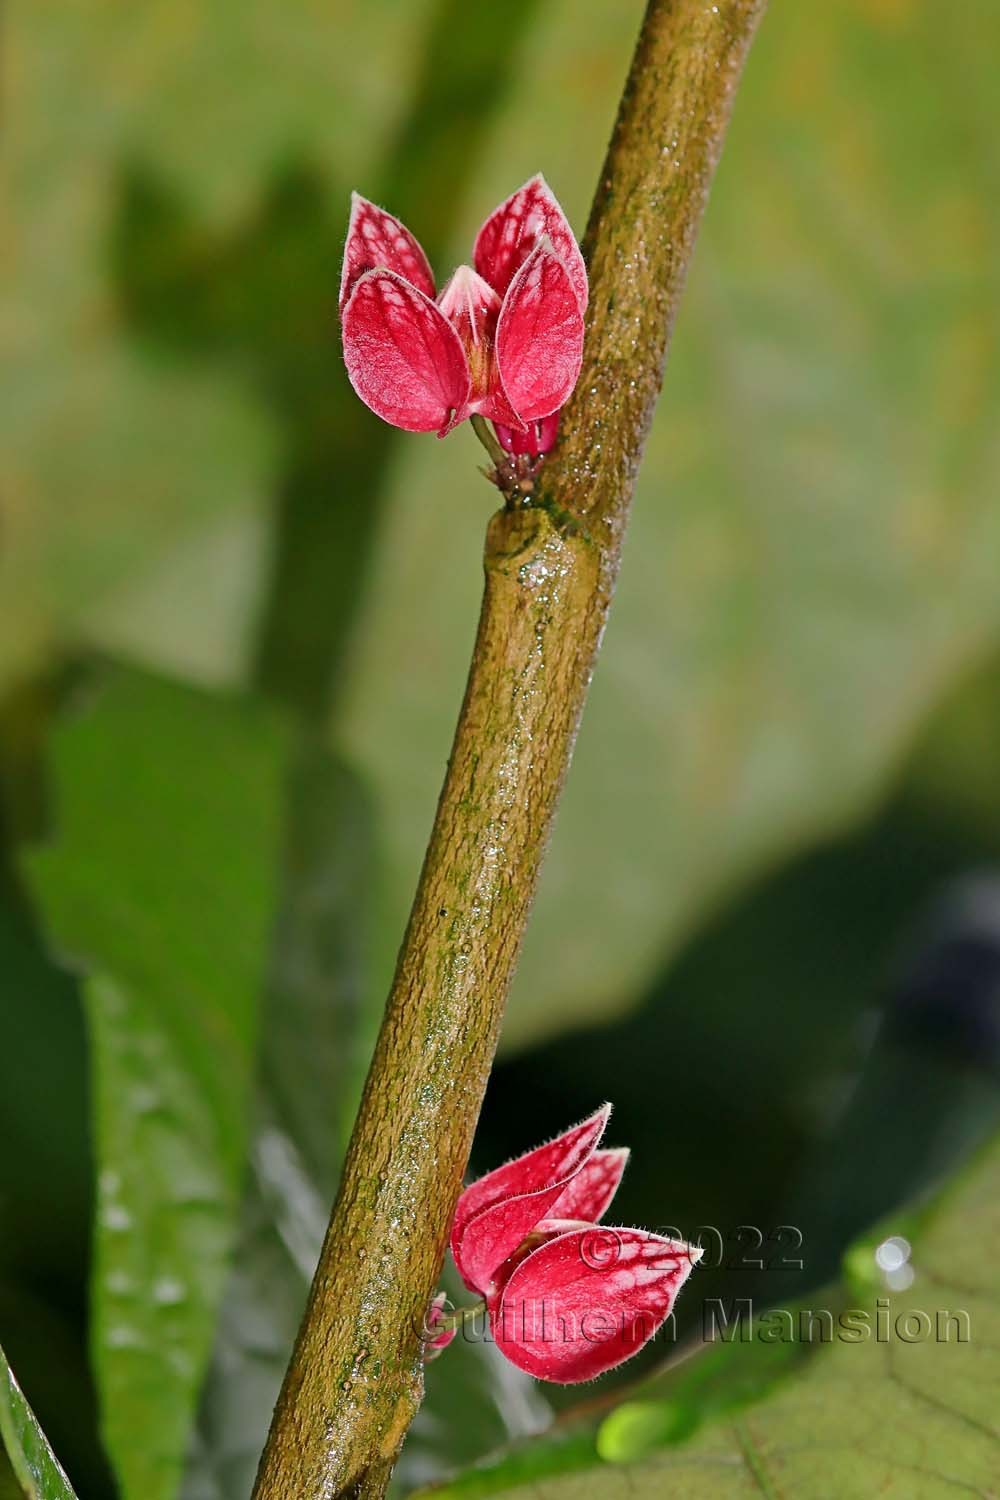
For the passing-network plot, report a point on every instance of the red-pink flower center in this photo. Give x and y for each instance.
(472, 306)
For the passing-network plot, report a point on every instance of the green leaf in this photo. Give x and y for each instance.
(116, 463)
(39, 1472)
(898, 1394)
(160, 886)
(208, 165)
(807, 569)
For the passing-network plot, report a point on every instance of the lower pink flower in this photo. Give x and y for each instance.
(567, 1298)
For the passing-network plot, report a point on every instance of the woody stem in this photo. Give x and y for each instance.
(355, 1379)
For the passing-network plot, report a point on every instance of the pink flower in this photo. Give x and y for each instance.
(566, 1299)
(504, 339)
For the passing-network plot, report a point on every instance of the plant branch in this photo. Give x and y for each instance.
(355, 1379)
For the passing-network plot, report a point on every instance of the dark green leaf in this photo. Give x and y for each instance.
(160, 886)
(46, 1191)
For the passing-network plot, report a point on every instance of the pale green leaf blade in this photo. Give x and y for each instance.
(36, 1467)
(159, 884)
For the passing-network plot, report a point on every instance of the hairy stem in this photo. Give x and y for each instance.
(355, 1379)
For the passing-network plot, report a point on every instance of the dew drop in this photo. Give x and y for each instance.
(121, 1336)
(116, 1216)
(168, 1291)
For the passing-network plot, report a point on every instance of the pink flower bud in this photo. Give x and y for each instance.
(538, 437)
(435, 1342)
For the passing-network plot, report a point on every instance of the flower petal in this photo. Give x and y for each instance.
(495, 1214)
(539, 340)
(471, 306)
(377, 240)
(403, 357)
(496, 407)
(513, 230)
(592, 1189)
(586, 1301)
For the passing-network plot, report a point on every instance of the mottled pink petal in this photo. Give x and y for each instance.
(537, 437)
(495, 1214)
(496, 407)
(592, 1189)
(403, 357)
(586, 1301)
(377, 240)
(539, 345)
(513, 230)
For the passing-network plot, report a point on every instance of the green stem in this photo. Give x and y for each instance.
(482, 430)
(355, 1379)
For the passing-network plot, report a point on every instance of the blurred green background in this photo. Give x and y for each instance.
(235, 617)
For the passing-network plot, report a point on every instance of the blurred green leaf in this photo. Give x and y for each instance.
(901, 1399)
(812, 555)
(40, 1473)
(160, 885)
(117, 460)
